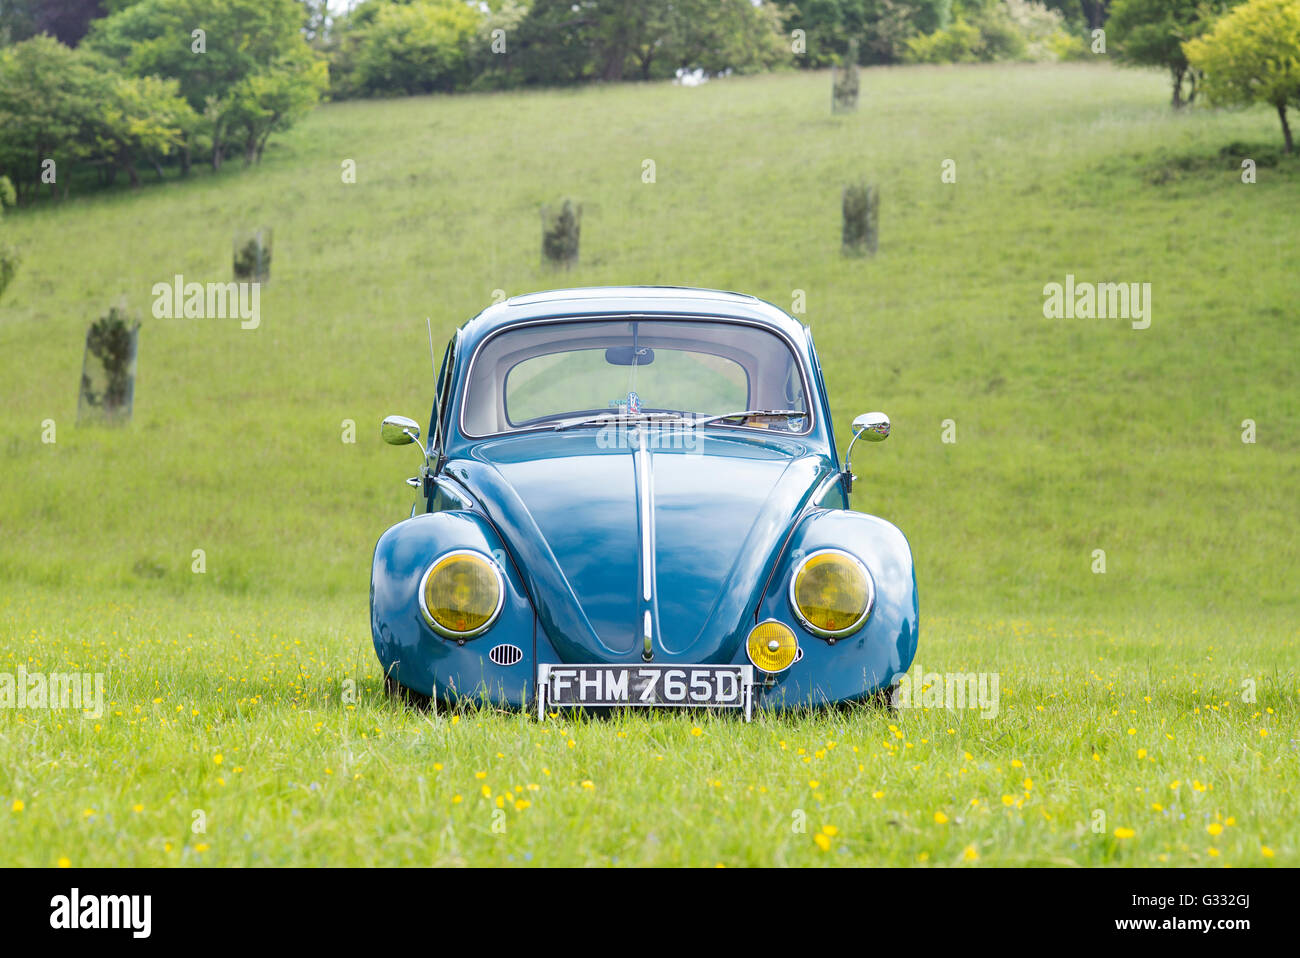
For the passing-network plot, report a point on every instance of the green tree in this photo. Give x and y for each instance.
(420, 47)
(555, 43)
(1252, 55)
(561, 41)
(239, 39)
(716, 36)
(8, 255)
(61, 107)
(141, 118)
(988, 30)
(108, 384)
(49, 101)
(881, 27)
(273, 99)
(1152, 33)
(492, 54)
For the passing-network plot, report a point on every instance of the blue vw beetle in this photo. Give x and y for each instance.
(632, 497)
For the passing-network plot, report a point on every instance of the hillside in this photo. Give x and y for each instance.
(1071, 434)
(228, 689)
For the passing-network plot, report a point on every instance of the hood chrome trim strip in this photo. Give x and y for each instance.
(645, 499)
(647, 523)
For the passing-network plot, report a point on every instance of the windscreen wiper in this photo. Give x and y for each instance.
(615, 417)
(754, 414)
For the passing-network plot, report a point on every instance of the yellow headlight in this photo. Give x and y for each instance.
(832, 593)
(772, 646)
(461, 594)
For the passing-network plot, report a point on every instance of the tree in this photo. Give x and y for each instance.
(980, 31)
(274, 99)
(8, 255)
(555, 42)
(65, 20)
(49, 100)
(141, 118)
(1094, 12)
(881, 27)
(1152, 33)
(492, 53)
(420, 47)
(1252, 55)
(715, 36)
(239, 39)
(59, 107)
(561, 41)
(108, 384)
(317, 21)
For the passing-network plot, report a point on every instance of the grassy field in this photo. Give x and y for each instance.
(1148, 714)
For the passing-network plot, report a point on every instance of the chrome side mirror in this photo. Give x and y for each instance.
(399, 431)
(871, 426)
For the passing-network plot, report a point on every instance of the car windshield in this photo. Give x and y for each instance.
(562, 374)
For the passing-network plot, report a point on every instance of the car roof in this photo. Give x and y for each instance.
(681, 301)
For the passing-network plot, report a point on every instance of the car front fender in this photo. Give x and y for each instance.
(867, 661)
(416, 656)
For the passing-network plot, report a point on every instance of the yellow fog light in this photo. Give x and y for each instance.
(832, 593)
(461, 594)
(772, 646)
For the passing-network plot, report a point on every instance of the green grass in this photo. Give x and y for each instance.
(1072, 436)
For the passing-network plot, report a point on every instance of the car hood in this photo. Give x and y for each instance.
(590, 522)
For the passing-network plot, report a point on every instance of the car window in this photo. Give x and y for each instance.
(538, 374)
(544, 385)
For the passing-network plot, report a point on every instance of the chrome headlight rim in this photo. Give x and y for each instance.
(866, 611)
(491, 619)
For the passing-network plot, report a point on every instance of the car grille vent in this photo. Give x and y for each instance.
(506, 654)
(798, 653)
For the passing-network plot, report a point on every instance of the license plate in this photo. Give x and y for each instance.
(663, 686)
